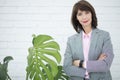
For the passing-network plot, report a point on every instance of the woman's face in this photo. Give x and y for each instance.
(84, 18)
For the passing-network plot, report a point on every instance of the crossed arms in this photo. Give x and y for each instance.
(102, 64)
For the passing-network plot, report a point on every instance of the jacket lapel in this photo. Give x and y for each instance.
(94, 38)
(80, 45)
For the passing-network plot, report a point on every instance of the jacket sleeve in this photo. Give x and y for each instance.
(103, 65)
(69, 69)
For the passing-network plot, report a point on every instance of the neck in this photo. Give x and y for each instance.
(87, 29)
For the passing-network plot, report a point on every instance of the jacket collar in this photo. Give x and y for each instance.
(94, 37)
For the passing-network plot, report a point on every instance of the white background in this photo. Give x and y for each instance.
(19, 19)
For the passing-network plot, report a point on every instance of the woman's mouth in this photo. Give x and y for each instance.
(85, 21)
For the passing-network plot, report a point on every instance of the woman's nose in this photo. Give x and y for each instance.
(84, 16)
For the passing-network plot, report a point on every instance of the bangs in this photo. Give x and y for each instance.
(84, 8)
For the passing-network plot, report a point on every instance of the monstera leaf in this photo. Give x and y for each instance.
(61, 75)
(44, 51)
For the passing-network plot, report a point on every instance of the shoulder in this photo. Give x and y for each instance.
(102, 32)
(74, 36)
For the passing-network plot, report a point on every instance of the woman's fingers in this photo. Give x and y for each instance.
(102, 56)
(76, 62)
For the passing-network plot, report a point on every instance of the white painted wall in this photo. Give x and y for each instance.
(19, 19)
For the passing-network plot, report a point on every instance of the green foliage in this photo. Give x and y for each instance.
(3, 68)
(45, 51)
(61, 75)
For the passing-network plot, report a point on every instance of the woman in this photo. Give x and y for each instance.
(89, 53)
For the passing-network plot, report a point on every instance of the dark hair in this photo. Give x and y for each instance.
(83, 6)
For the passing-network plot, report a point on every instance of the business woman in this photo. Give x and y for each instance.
(89, 53)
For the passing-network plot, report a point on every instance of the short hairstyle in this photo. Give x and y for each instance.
(83, 6)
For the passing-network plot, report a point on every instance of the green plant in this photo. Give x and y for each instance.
(43, 60)
(3, 68)
(61, 75)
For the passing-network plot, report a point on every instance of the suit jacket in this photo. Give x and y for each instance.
(98, 69)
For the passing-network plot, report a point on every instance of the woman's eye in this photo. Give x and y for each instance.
(79, 14)
(87, 12)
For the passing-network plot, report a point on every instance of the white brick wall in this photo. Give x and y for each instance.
(19, 19)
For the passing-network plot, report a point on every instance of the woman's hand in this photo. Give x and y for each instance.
(102, 56)
(76, 63)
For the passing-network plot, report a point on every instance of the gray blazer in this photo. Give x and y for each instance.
(98, 69)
